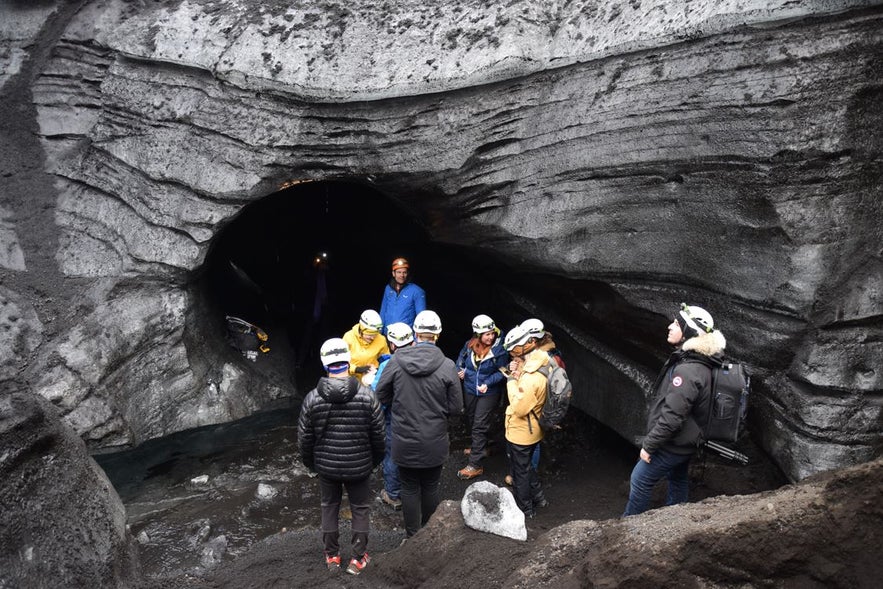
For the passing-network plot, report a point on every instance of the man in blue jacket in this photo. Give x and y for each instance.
(402, 300)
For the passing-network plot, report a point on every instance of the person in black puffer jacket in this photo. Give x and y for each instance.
(341, 433)
(681, 401)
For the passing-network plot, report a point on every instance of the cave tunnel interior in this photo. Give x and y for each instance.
(261, 268)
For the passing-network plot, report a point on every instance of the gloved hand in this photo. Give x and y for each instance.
(362, 369)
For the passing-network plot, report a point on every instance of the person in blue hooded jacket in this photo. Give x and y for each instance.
(478, 366)
(402, 300)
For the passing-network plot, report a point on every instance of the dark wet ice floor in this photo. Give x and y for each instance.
(202, 496)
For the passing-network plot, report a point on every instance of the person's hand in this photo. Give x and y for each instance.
(645, 456)
(482, 388)
(462, 373)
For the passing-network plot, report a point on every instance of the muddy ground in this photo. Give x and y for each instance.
(584, 469)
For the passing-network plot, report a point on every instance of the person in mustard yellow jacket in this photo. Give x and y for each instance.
(366, 344)
(526, 388)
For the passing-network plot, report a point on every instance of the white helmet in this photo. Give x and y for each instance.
(518, 336)
(399, 334)
(370, 320)
(334, 351)
(427, 322)
(697, 319)
(534, 327)
(483, 324)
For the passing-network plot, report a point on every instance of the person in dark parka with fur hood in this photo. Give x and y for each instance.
(681, 402)
(342, 435)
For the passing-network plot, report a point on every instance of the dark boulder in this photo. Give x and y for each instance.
(63, 524)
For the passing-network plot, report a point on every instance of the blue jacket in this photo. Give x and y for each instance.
(487, 371)
(401, 307)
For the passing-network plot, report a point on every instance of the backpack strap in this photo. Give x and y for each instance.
(547, 372)
(713, 363)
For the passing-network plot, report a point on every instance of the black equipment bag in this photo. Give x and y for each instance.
(731, 385)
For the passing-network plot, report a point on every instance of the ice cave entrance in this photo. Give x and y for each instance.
(262, 268)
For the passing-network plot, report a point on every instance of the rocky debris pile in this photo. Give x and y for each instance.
(823, 532)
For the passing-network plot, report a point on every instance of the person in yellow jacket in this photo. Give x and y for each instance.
(526, 387)
(366, 344)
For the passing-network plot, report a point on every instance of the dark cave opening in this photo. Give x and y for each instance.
(261, 268)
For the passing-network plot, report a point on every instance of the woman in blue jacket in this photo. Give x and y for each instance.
(478, 366)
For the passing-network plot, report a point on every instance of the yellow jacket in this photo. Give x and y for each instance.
(527, 396)
(361, 352)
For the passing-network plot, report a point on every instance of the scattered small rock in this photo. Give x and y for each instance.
(266, 491)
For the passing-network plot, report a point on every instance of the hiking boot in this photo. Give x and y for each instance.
(396, 504)
(333, 563)
(469, 472)
(357, 565)
(508, 480)
(540, 503)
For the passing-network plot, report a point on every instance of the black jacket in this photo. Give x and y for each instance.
(682, 396)
(341, 430)
(422, 389)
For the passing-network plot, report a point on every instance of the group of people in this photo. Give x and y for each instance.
(389, 391)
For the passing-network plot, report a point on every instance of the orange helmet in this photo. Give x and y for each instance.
(399, 263)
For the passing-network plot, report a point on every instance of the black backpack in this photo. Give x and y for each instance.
(730, 387)
(558, 394)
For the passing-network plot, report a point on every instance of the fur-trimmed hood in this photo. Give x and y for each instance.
(707, 344)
